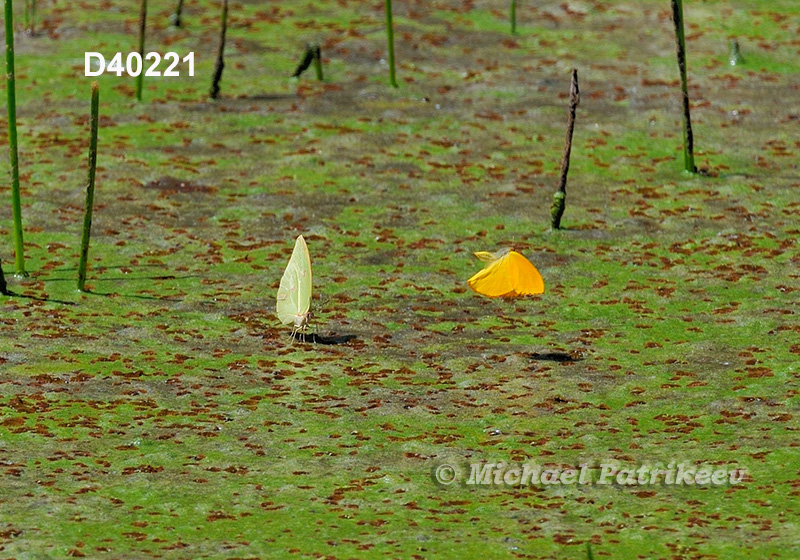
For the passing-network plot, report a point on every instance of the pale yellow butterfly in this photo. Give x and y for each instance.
(294, 295)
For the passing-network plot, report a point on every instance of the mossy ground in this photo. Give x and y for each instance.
(167, 414)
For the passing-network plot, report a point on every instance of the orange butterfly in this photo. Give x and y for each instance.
(508, 274)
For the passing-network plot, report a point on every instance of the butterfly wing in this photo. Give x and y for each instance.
(508, 274)
(523, 276)
(294, 294)
(493, 280)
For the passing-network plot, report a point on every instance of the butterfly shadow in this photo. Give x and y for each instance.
(558, 357)
(328, 340)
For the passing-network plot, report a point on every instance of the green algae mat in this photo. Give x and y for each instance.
(644, 406)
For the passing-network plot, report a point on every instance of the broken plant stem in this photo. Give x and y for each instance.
(220, 65)
(735, 57)
(87, 216)
(680, 39)
(390, 41)
(308, 58)
(559, 198)
(13, 153)
(142, 27)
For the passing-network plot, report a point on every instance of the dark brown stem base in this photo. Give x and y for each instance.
(3, 285)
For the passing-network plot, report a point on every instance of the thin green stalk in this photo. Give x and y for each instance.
(87, 216)
(31, 29)
(390, 40)
(220, 65)
(318, 62)
(142, 27)
(680, 39)
(560, 197)
(513, 15)
(176, 17)
(13, 153)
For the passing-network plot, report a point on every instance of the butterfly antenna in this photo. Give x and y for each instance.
(322, 303)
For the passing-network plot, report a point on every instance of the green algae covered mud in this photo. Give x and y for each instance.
(168, 414)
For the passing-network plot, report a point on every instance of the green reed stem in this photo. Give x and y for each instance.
(513, 16)
(13, 153)
(87, 216)
(390, 41)
(142, 29)
(318, 62)
(680, 39)
(220, 65)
